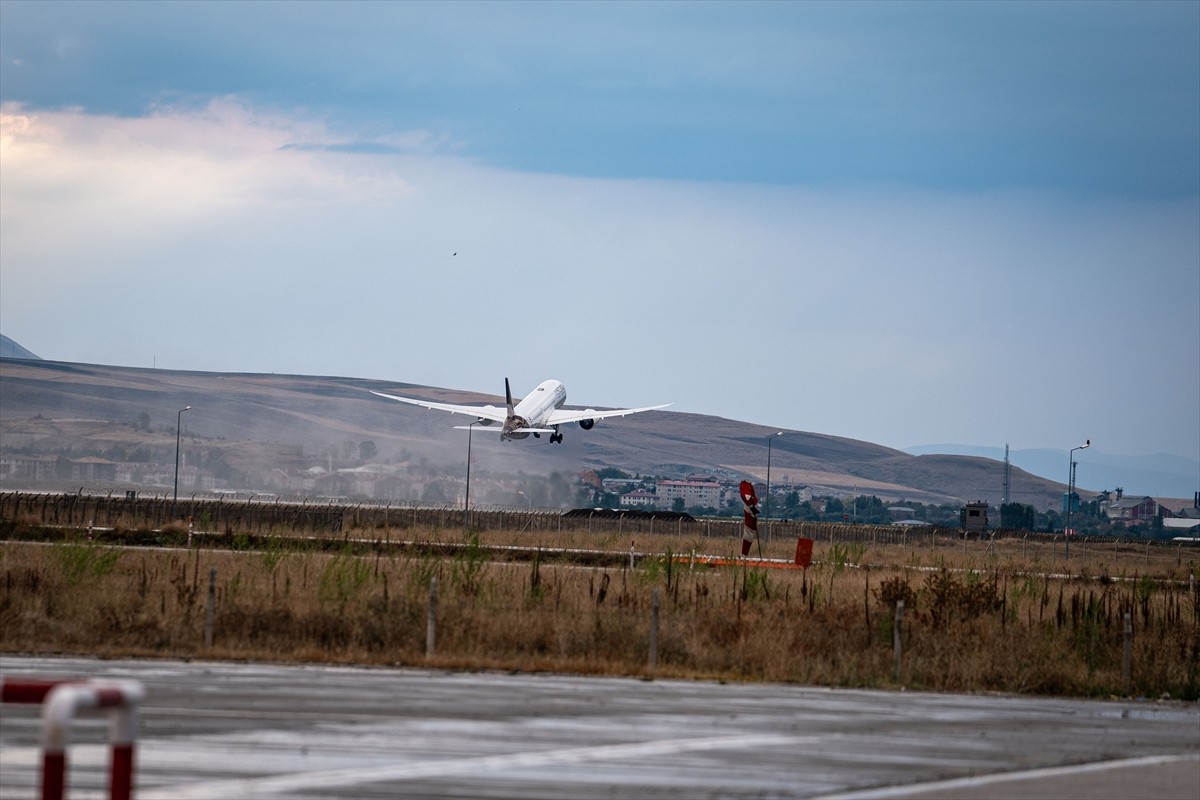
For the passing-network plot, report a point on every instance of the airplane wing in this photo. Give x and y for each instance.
(561, 416)
(483, 412)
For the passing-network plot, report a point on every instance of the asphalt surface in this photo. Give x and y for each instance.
(232, 730)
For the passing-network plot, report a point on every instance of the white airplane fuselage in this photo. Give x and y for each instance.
(534, 410)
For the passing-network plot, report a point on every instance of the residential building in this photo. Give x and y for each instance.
(27, 468)
(638, 499)
(693, 493)
(90, 468)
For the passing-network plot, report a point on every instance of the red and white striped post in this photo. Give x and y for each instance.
(61, 700)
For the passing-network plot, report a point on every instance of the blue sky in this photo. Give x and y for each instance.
(907, 223)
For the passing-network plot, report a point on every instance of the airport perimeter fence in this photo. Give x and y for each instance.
(302, 516)
(80, 510)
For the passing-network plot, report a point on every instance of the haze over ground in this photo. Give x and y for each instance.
(897, 222)
(55, 403)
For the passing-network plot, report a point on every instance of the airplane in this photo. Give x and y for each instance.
(540, 412)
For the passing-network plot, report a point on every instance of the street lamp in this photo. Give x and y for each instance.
(178, 425)
(467, 500)
(1071, 495)
(767, 503)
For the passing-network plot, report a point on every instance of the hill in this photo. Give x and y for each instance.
(1158, 475)
(256, 423)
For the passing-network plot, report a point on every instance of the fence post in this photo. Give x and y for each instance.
(896, 636)
(209, 608)
(654, 629)
(1126, 661)
(431, 624)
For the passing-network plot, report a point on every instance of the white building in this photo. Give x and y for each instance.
(638, 499)
(693, 493)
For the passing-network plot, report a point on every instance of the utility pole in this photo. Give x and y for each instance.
(1071, 496)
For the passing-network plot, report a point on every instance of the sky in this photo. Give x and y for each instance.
(906, 223)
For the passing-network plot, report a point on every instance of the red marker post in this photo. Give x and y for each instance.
(749, 515)
(61, 700)
(804, 548)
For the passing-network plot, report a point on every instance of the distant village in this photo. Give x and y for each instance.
(1107, 513)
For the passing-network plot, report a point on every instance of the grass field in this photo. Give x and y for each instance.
(1008, 616)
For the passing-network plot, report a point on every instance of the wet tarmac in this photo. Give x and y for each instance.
(234, 730)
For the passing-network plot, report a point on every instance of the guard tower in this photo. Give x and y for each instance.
(974, 518)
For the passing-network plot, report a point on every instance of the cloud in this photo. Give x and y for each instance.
(1094, 98)
(86, 192)
(232, 238)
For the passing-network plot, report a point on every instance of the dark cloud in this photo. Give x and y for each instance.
(1090, 98)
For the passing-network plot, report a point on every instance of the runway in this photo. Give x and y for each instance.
(222, 730)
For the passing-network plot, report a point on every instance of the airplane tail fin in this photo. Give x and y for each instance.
(508, 397)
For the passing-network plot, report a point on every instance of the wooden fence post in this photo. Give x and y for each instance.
(1126, 661)
(431, 623)
(209, 609)
(654, 629)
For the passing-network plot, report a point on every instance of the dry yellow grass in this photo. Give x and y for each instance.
(978, 617)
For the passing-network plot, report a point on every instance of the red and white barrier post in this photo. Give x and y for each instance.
(61, 700)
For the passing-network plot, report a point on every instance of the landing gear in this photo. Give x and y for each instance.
(556, 438)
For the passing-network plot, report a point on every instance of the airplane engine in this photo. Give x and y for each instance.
(587, 424)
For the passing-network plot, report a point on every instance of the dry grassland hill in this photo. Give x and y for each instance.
(268, 421)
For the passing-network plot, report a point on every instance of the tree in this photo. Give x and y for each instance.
(435, 492)
(611, 472)
(215, 463)
(367, 450)
(870, 509)
(1017, 516)
(805, 511)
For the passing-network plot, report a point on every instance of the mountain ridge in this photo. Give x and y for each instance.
(1157, 474)
(302, 416)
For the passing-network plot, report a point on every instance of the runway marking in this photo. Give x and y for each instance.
(331, 779)
(895, 792)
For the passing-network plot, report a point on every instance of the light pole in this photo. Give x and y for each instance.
(767, 503)
(467, 500)
(178, 425)
(1071, 495)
